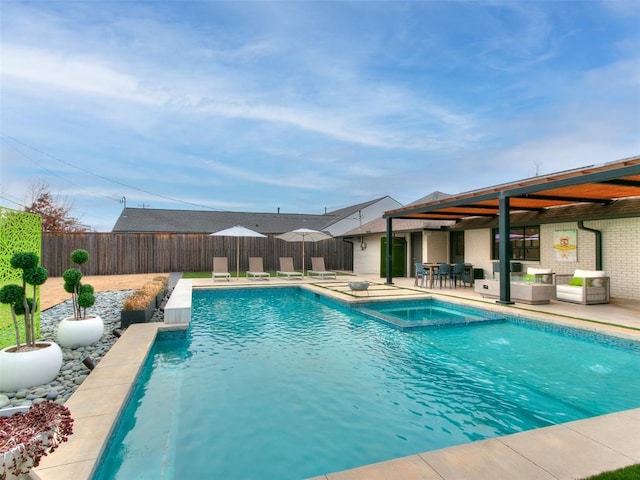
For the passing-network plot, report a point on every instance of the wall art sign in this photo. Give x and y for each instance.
(565, 245)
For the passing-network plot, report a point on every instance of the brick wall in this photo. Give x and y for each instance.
(620, 252)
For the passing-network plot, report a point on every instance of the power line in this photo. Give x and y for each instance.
(64, 178)
(12, 201)
(102, 177)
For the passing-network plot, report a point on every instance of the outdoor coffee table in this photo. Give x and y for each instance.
(523, 292)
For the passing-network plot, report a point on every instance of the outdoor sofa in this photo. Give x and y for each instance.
(584, 286)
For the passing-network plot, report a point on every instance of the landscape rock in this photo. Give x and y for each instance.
(108, 306)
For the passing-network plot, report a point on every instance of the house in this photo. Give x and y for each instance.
(147, 220)
(413, 241)
(599, 206)
(595, 210)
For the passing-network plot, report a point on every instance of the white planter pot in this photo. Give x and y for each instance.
(7, 458)
(20, 370)
(80, 333)
(7, 412)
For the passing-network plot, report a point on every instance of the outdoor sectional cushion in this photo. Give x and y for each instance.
(589, 273)
(594, 277)
(544, 274)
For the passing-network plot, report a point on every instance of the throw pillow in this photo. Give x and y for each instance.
(576, 282)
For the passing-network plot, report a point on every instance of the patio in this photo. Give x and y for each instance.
(620, 312)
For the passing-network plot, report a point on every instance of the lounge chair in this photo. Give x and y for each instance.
(318, 269)
(256, 269)
(220, 268)
(286, 268)
(584, 286)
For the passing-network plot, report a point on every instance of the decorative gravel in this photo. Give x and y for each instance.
(73, 372)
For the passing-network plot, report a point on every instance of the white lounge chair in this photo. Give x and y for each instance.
(584, 286)
(286, 269)
(220, 268)
(256, 269)
(318, 269)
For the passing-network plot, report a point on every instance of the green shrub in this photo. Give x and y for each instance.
(20, 303)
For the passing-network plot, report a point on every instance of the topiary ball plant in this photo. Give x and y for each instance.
(82, 295)
(18, 298)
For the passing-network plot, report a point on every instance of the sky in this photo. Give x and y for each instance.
(306, 106)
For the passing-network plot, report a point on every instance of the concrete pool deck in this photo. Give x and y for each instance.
(568, 451)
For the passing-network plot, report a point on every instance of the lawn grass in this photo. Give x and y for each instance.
(628, 473)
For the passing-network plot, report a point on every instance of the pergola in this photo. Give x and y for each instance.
(601, 184)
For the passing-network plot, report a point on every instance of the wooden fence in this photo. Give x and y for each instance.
(127, 253)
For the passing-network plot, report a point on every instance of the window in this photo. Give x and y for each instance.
(524, 243)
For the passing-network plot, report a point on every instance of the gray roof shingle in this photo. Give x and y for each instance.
(145, 220)
(194, 221)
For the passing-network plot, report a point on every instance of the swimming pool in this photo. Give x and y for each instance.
(298, 386)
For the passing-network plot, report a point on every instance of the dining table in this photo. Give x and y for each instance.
(431, 269)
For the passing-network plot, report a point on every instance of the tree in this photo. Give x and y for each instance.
(55, 212)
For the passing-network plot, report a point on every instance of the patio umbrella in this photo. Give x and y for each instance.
(237, 231)
(303, 235)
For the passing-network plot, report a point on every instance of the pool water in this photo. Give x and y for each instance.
(425, 314)
(285, 384)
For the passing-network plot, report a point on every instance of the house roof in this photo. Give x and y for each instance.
(432, 197)
(203, 221)
(601, 184)
(196, 221)
(379, 225)
(348, 211)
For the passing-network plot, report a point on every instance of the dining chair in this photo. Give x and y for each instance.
(421, 274)
(467, 276)
(457, 273)
(444, 272)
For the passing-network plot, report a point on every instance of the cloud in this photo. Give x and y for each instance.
(337, 99)
(84, 76)
(54, 74)
(624, 8)
(301, 179)
(315, 103)
(520, 37)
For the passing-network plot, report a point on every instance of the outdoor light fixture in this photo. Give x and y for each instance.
(88, 362)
